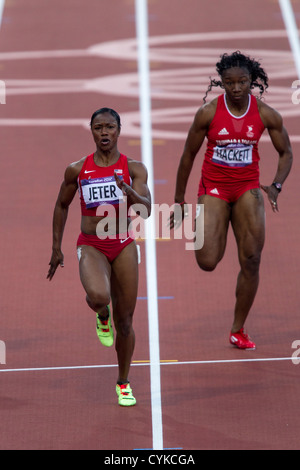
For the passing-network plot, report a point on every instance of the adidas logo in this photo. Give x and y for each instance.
(224, 132)
(215, 191)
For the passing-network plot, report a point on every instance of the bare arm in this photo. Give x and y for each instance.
(66, 195)
(280, 139)
(193, 144)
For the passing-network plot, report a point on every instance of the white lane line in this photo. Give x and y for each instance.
(147, 364)
(2, 4)
(151, 256)
(292, 30)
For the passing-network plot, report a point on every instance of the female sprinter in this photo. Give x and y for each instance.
(108, 263)
(230, 187)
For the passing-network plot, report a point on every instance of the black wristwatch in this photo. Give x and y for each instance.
(278, 186)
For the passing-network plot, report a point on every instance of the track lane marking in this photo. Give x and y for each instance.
(147, 364)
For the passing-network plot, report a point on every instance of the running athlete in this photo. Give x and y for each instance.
(107, 253)
(230, 188)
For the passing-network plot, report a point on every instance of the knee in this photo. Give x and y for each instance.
(206, 264)
(208, 267)
(250, 264)
(97, 300)
(124, 325)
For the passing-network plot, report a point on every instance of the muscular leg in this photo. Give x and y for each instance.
(95, 272)
(124, 283)
(248, 222)
(216, 222)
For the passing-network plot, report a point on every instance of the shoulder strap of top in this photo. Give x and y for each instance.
(124, 164)
(86, 162)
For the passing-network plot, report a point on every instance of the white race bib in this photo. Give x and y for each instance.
(233, 155)
(97, 192)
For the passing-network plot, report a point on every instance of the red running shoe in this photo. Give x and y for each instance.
(241, 340)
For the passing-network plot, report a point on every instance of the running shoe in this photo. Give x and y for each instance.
(105, 330)
(125, 396)
(241, 340)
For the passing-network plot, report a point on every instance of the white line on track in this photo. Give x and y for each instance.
(151, 263)
(2, 4)
(147, 364)
(292, 30)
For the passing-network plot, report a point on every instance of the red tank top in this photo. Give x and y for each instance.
(232, 149)
(97, 185)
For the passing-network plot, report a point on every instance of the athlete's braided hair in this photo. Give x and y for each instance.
(237, 59)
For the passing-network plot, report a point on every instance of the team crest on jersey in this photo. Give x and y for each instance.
(250, 132)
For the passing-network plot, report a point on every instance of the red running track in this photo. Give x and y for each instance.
(55, 79)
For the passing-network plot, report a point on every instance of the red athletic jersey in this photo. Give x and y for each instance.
(97, 185)
(232, 149)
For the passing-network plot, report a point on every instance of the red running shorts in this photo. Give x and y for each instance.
(229, 192)
(110, 248)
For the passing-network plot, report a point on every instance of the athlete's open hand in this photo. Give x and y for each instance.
(176, 217)
(272, 196)
(57, 259)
